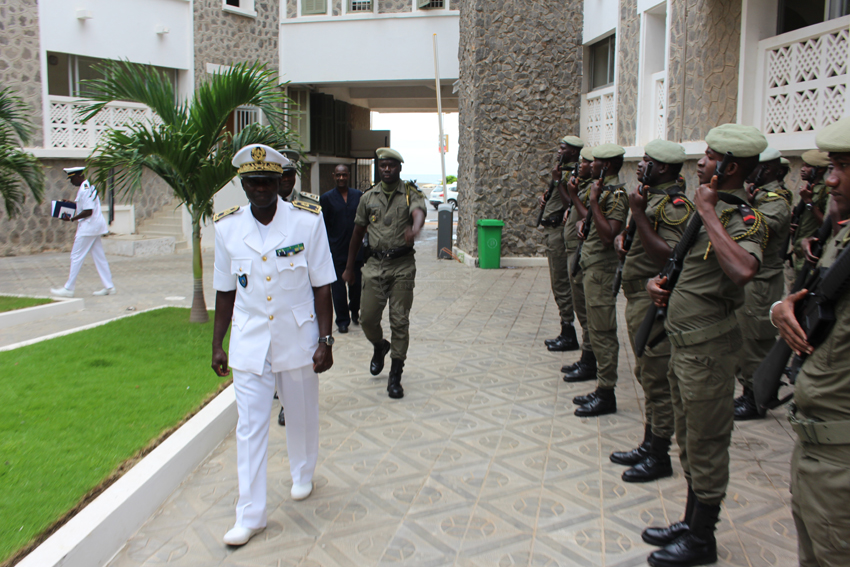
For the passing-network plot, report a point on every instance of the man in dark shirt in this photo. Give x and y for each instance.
(339, 206)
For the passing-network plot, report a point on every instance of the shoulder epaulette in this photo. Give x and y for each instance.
(411, 185)
(372, 187)
(218, 216)
(307, 205)
(747, 214)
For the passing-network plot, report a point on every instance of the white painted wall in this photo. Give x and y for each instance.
(600, 17)
(124, 29)
(380, 48)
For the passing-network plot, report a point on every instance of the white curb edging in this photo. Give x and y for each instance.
(101, 529)
(40, 312)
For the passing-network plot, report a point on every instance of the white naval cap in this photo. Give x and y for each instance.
(259, 160)
(71, 171)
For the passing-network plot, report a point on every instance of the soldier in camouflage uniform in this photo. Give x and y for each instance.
(392, 214)
(578, 190)
(660, 213)
(705, 338)
(774, 203)
(554, 209)
(820, 416)
(609, 206)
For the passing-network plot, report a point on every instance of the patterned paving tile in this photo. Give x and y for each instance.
(481, 464)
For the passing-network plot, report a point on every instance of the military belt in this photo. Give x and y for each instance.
(819, 432)
(554, 220)
(632, 287)
(392, 253)
(681, 339)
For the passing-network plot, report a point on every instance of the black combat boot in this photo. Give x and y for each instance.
(697, 546)
(656, 464)
(584, 369)
(665, 536)
(633, 457)
(565, 341)
(281, 418)
(394, 388)
(745, 406)
(603, 403)
(585, 399)
(381, 350)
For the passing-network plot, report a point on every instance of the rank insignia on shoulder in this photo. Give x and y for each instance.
(309, 197)
(747, 214)
(243, 280)
(678, 202)
(307, 206)
(217, 217)
(289, 250)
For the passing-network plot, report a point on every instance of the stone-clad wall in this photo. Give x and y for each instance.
(337, 7)
(34, 230)
(703, 70)
(628, 57)
(520, 88)
(20, 68)
(291, 8)
(224, 38)
(394, 6)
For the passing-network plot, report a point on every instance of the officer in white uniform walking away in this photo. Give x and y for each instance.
(90, 227)
(273, 270)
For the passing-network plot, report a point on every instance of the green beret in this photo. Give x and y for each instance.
(835, 137)
(587, 153)
(784, 161)
(769, 154)
(389, 153)
(573, 141)
(742, 141)
(665, 152)
(608, 151)
(816, 158)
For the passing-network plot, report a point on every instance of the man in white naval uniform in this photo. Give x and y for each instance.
(273, 271)
(90, 227)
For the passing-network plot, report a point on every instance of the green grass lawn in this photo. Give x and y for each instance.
(9, 303)
(75, 407)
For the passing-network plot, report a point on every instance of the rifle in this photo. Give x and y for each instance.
(630, 232)
(548, 194)
(796, 215)
(585, 228)
(673, 269)
(767, 379)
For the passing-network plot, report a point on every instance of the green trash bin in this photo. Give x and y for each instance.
(489, 243)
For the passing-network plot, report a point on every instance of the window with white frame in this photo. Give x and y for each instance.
(797, 14)
(360, 6)
(314, 7)
(67, 74)
(430, 4)
(602, 57)
(244, 7)
(299, 115)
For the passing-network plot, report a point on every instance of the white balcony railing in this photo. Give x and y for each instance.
(66, 130)
(659, 105)
(802, 78)
(245, 115)
(600, 116)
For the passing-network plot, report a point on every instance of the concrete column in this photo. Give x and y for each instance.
(520, 89)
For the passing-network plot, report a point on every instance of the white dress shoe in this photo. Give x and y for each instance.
(240, 536)
(301, 491)
(106, 291)
(61, 292)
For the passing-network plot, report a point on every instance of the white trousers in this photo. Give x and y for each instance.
(298, 389)
(82, 246)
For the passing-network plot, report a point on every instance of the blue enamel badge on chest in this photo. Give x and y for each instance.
(243, 280)
(290, 250)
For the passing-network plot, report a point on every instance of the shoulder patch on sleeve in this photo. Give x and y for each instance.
(218, 216)
(307, 206)
(748, 215)
(677, 201)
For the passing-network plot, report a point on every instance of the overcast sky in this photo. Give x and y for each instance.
(416, 137)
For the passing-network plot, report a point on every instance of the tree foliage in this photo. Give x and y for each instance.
(17, 167)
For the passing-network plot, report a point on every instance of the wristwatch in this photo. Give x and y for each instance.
(329, 340)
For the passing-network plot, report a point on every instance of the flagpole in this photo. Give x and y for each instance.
(440, 120)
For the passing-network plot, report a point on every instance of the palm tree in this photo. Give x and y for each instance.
(16, 165)
(186, 144)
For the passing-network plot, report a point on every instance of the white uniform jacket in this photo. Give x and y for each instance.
(274, 281)
(87, 199)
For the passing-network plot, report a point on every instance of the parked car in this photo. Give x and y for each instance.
(436, 198)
